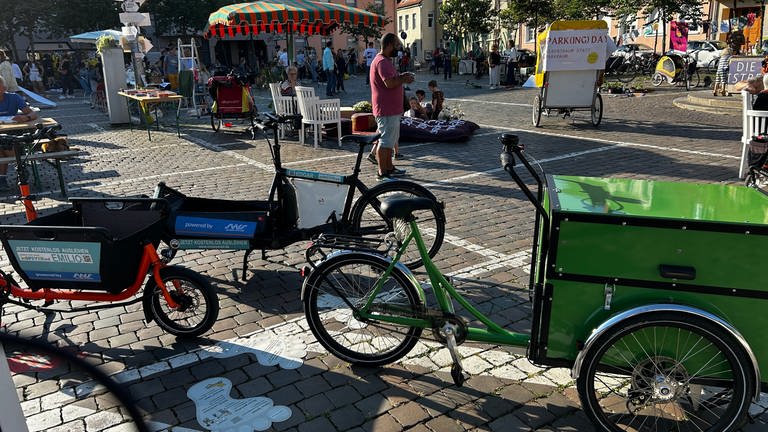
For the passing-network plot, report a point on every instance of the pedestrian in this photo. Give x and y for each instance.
(17, 72)
(312, 64)
(34, 73)
(352, 61)
(301, 62)
(68, 80)
(329, 64)
(387, 100)
(341, 69)
(437, 61)
(282, 59)
(721, 77)
(369, 54)
(6, 71)
(511, 54)
(447, 65)
(438, 99)
(171, 65)
(494, 67)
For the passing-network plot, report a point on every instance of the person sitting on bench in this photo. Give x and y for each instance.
(16, 108)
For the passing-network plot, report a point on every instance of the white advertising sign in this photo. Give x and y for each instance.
(575, 50)
(136, 18)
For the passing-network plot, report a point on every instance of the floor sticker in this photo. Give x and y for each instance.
(269, 350)
(218, 412)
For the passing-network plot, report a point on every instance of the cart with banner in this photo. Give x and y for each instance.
(569, 68)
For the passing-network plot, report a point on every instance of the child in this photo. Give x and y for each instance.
(416, 110)
(421, 96)
(722, 72)
(437, 99)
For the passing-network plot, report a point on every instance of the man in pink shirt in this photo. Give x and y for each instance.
(387, 101)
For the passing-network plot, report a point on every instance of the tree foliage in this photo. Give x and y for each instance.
(581, 9)
(461, 17)
(181, 17)
(66, 17)
(532, 13)
(18, 19)
(370, 32)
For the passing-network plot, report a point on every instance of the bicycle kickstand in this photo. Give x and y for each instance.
(457, 371)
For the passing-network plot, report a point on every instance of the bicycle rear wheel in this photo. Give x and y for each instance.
(367, 220)
(663, 371)
(340, 285)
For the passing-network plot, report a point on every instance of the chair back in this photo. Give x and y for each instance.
(305, 92)
(284, 105)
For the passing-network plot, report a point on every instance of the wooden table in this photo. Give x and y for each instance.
(31, 126)
(146, 104)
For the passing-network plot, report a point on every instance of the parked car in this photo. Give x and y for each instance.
(705, 51)
(630, 49)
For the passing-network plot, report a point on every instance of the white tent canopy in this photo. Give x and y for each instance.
(91, 37)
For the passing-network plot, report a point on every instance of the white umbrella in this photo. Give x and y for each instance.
(91, 37)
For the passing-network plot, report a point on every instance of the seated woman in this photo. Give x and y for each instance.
(416, 110)
(288, 86)
(421, 96)
(438, 98)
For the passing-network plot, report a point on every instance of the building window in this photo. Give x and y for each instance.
(400, 22)
(430, 19)
(530, 34)
(406, 22)
(413, 17)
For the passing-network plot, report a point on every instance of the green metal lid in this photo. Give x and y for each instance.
(660, 199)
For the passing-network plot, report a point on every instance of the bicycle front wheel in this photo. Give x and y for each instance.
(663, 372)
(342, 284)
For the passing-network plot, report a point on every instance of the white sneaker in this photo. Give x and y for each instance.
(62, 97)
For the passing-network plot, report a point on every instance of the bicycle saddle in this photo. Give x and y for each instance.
(361, 139)
(401, 207)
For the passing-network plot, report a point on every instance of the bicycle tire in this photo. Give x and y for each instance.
(596, 111)
(660, 376)
(335, 326)
(712, 65)
(536, 114)
(626, 73)
(174, 321)
(367, 220)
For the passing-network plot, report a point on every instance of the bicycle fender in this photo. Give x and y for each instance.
(392, 186)
(399, 266)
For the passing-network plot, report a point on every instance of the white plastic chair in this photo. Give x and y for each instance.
(284, 105)
(316, 112)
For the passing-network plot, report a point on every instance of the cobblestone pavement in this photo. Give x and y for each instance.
(489, 225)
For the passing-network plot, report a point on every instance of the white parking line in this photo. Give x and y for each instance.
(614, 142)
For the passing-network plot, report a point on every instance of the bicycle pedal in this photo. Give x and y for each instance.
(458, 375)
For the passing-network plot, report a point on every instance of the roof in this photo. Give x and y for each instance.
(408, 3)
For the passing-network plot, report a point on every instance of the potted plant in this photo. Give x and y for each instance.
(363, 107)
(104, 43)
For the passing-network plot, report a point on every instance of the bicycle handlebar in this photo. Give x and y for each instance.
(273, 120)
(9, 141)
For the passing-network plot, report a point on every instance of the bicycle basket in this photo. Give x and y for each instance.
(95, 245)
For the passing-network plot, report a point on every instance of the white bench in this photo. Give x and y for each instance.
(754, 123)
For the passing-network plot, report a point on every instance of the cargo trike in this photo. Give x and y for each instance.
(651, 292)
(99, 250)
(569, 69)
(301, 204)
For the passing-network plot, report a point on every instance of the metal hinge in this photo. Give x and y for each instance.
(609, 290)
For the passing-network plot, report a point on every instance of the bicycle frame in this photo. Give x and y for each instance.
(351, 180)
(444, 293)
(150, 262)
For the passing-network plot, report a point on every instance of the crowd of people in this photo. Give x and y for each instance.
(63, 73)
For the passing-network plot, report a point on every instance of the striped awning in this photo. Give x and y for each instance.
(287, 16)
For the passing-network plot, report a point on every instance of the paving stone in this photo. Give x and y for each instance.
(409, 414)
(319, 424)
(347, 417)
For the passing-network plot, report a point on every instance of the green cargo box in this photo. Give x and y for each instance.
(618, 244)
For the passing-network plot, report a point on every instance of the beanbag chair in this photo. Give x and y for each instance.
(417, 130)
